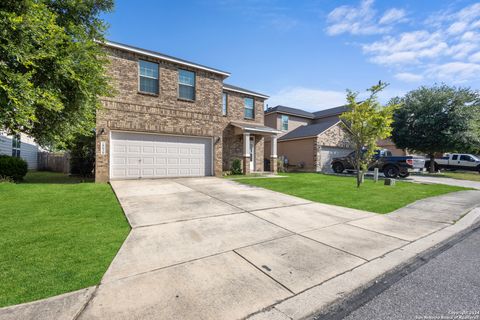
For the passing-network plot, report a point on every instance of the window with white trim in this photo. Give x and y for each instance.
(249, 108)
(284, 122)
(224, 103)
(148, 77)
(186, 84)
(16, 143)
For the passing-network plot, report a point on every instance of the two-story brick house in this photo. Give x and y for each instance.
(172, 118)
(310, 140)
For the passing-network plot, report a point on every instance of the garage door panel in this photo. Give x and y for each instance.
(137, 155)
(328, 153)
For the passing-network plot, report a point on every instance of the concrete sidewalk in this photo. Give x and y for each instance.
(208, 248)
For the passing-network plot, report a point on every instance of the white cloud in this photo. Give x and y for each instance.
(447, 49)
(407, 48)
(362, 19)
(456, 72)
(307, 98)
(457, 27)
(409, 77)
(393, 15)
(475, 57)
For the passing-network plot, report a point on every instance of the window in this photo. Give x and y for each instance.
(464, 157)
(455, 157)
(186, 84)
(148, 76)
(16, 146)
(284, 122)
(249, 109)
(224, 104)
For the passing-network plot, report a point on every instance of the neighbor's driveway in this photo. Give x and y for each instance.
(208, 248)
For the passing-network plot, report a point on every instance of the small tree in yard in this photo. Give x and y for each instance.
(438, 119)
(368, 121)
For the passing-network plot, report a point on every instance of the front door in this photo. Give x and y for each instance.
(252, 153)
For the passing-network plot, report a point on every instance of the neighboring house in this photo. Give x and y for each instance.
(310, 140)
(173, 118)
(21, 146)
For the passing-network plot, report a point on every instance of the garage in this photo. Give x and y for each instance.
(328, 153)
(140, 155)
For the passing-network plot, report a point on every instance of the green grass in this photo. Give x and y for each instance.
(473, 176)
(342, 191)
(57, 235)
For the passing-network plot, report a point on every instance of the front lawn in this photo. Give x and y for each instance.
(342, 191)
(57, 235)
(472, 175)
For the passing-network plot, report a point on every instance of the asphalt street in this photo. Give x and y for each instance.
(447, 286)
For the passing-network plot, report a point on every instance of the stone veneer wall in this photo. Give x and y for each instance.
(336, 136)
(165, 113)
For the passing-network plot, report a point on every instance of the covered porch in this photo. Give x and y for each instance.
(249, 133)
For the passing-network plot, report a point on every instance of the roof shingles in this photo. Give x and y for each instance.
(310, 130)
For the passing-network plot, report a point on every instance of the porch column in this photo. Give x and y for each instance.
(273, 155)
(246, 153)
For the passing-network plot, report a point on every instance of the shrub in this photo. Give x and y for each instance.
(236, 166)
(281, 165)
(82, 155)
(12, 168)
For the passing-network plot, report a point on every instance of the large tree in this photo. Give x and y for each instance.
(368, 121)
(52, 70)
(438, 119)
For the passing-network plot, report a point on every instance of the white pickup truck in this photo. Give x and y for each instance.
(456, 161)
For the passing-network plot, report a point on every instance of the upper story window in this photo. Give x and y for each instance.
(224, 103)
(148, 77)
(186, 84)
(249, 108)
(16, 146)
(284, 122)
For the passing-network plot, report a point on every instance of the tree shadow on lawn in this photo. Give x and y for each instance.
(47, 177)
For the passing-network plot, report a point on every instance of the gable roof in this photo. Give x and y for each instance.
(330, 112)
(336, 111)
(310, 130)
(230, 87)
(162, 56)
(291, 111)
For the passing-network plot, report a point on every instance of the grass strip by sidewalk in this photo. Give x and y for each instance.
(57, 235)
(342, 191)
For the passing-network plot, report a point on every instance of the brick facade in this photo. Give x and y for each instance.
(165, 113)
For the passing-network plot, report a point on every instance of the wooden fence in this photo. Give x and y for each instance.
(54, 161)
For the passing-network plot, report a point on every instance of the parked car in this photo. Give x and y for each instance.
(392, 167)
(456, 161)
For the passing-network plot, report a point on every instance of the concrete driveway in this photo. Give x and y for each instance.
(209, 248)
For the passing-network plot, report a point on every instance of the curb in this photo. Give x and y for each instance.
(324, 297)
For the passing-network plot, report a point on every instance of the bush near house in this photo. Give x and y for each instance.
(236, 166)
(12, 168)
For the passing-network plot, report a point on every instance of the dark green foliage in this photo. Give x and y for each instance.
(236, 166)
(438, 119)
(82, 155)
(12, 168)
(52, 71)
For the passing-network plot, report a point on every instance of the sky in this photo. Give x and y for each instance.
(305, 54)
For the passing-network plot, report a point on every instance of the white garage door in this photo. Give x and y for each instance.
(137, 155)
(328, 153)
